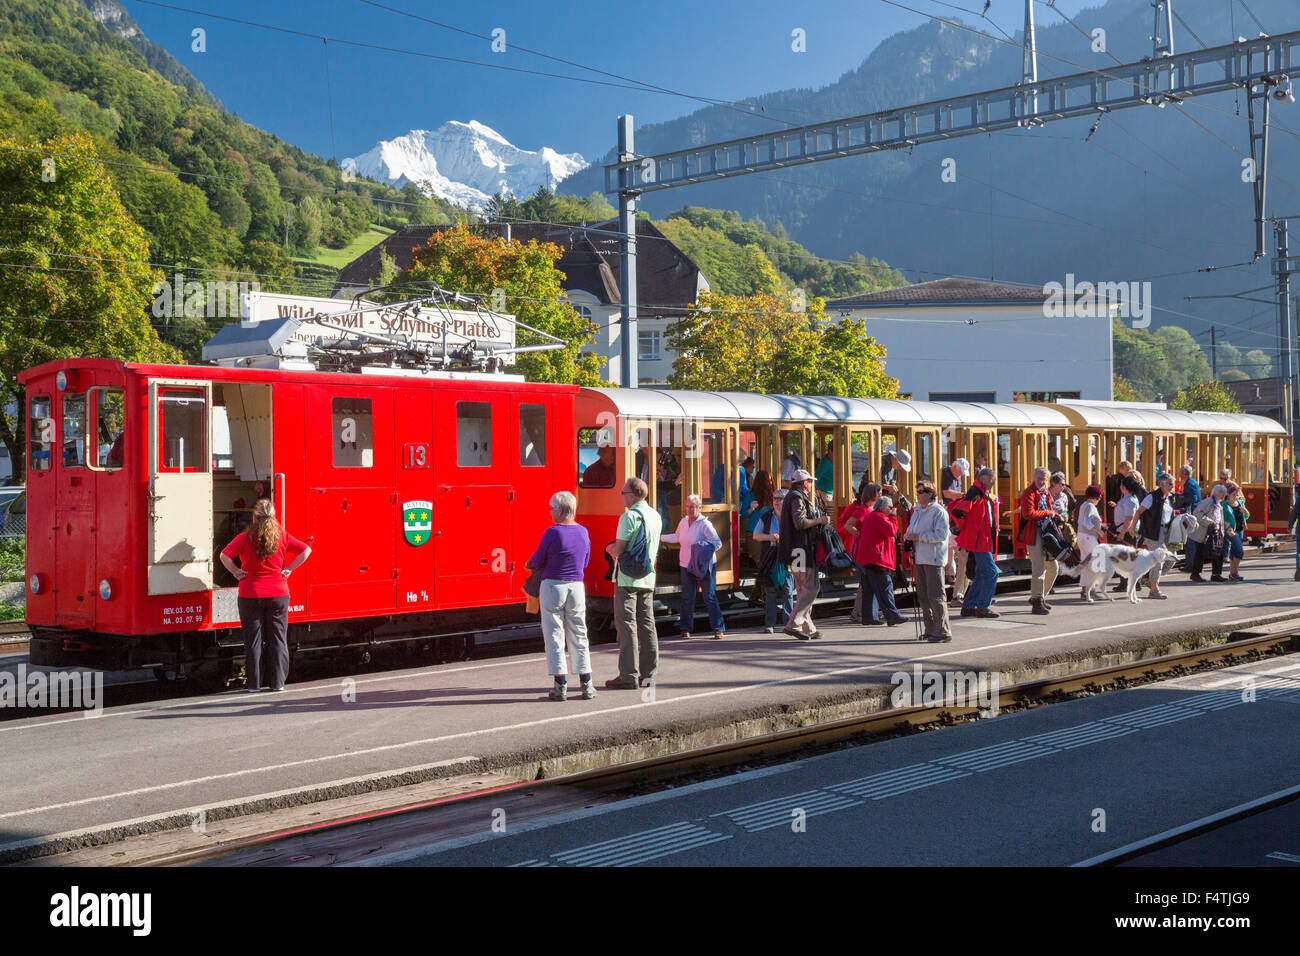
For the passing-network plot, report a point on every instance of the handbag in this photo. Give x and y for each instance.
(702, 558)
(532, 589)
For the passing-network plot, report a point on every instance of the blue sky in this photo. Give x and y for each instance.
(729, 50)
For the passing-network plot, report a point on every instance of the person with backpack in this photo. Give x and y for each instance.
(801, 523)
(1152, 519)
(775, 577)
(698, 543)
(1035, 505)
(928, 531)
(634, 549)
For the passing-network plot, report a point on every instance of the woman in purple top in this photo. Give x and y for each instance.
(562, 557)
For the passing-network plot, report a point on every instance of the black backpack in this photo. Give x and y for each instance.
(636, 561)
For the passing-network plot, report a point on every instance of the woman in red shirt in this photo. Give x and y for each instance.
(263, 575)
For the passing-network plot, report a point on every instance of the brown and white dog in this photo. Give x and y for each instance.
(1108, 559)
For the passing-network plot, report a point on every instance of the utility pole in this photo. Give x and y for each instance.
(1162, 38)
(1283, 265)
(1029, 69)
(627, 255)
(1214, 356)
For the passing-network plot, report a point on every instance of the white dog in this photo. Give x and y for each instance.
(1108, 559)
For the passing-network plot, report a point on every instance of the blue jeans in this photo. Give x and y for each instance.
(784, 596)
(980, 593)
(690, 585)
(1189, 554)
(879, 582)
(1232, 547)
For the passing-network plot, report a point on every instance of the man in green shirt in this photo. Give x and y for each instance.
(638, 642)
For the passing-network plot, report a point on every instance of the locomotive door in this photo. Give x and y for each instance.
(413, 447)
(180, 487)
(472, 498)
(711, 474)
(74, 512)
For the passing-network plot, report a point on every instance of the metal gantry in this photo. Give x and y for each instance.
(1261, 66)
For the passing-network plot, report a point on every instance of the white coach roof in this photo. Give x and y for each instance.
(1115, 415)
(745, 406)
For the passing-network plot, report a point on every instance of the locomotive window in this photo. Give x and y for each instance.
(74, 431)
(40, 433)
(182, 430)
(473, 434)
(106, 451)
(353, 435)
(532, 435)
(223, 453)
(596, 455)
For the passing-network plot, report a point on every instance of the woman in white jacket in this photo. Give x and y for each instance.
(928, 529)
(1090, 525)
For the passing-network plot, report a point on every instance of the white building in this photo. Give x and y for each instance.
(978, 341)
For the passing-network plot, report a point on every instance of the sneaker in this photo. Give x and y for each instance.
(986, 612)
(815, 636)
(1039, 606)
(969, 612)
(589, 691)
(621, 683)
(647, 681)
(939, 638)
(258, 690)
(718, 635)
(1158, 596)
(769, 630)
(558, 692)
(895, 621)
(1235, 577)
(1217, 577)
(685, 635)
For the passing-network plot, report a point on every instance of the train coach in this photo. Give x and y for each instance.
(422, 495)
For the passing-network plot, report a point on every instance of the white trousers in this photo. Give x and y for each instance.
(564, 620)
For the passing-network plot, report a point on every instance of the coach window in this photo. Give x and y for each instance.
(473, 434)
(1191, 456)
(354, 436)
(1004, 455)
(713, 465)
(980, 456)
(74, 431)
(859, 458)
(182, 430)
(532, 435)
(40, 433)
(925, 456)
(596, 466)
(106, 449)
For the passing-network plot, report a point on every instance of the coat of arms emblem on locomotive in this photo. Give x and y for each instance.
(417, 521)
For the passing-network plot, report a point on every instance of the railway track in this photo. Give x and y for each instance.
(673, 769)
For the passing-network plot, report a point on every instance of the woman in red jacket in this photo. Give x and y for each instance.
(876, 555)
(263, 575)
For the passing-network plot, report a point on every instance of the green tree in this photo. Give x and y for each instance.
(68, 216)
(756, 343)
(1208, 396)
(460, 261)
(1124, 391)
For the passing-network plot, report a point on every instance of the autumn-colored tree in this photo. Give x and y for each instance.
(460, 261)
(761, 343)
(1205, 397)
(1124, 391)
(85, 290)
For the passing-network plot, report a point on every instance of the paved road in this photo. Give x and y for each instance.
(1052, 786)
(66, 773)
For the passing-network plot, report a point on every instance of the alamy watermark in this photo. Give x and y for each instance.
(59, 690)
(919, 688)
(213, 299)
(1091, 300)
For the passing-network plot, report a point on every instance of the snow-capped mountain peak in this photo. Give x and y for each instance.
(464, 163)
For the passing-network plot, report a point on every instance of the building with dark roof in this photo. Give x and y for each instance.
(668, 281)
(959, 339)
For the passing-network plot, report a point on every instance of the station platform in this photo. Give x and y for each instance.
(73, 781)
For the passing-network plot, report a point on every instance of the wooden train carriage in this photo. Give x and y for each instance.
(706, 435)
(1153, 438)
(421, 496)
